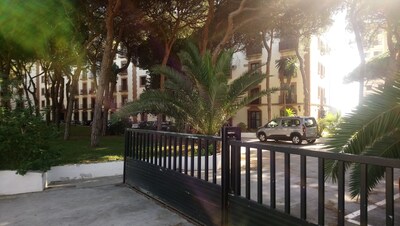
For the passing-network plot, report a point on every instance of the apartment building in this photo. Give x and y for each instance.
(256, 114)
(130, 83)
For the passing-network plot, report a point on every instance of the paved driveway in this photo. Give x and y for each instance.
(103, 201)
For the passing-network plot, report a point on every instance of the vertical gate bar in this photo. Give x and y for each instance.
(341, 193)
(144, 151)
(165, 151)
(169, 152)
(134, 145)
(225, 176)
(139, 141)
(214, 162)
(233, 167)
(160, 149)
(247, 172)
(272, 162)
(151, 148)
(141, 147)
(287, 183)
(125, 154)
(237, 171)
(259, 176)
(389, 197)
(199, 159)
(192, 157)
(180, 154)
(321, 191)
(186, 154)
(175, 145)
(363, 195)
(155, 141)
(303, 187)
(206, 161)
(146, 147)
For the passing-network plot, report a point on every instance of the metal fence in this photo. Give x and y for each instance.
(226, 181)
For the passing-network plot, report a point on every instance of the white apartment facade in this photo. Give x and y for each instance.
(256, 114)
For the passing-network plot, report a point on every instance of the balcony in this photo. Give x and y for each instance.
(92, 91)
(123, 88)
(83, 91)
(292, 99)
(83, 106)
(254, 50)
(287, 45)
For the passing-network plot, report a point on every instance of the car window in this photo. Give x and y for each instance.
(290, 122)
(272, 124)
(295, 122)
(310, 122)
(286, 122)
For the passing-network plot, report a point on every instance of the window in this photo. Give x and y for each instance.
(254, 119)
(84, 88)
(272, 124)
(321, 70)
(124, 85)
(42, 78)
(253, 92)
(84, 103)
(43, 104)
(93, 102)
(255, 66)
(124, 100)
(43, 92)
(290, 122)
(123, 63)
(76, 116)
(143, 81)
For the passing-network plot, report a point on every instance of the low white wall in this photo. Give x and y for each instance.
(248, 135)
(12, 183)
(85, 171)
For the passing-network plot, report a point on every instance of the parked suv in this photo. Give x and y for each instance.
(296, 129)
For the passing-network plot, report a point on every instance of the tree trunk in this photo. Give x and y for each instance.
(204, 37)
(268, 47)
(167, 52)
(106, 63)
(358, 36)
(306, 90)
(70, 100)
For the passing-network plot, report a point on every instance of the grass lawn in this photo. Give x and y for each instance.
(77, 149)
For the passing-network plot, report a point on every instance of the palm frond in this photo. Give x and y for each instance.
(371, 129)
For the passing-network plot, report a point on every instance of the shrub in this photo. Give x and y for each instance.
(24, 142)
(242, 126)
(118, 126)
(328, 124)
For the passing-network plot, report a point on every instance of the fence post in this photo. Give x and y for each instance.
(227, 134)
(125, 153)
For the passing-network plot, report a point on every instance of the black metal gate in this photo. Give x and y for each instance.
(224, 181)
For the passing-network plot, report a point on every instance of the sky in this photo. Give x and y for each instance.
(342, 60)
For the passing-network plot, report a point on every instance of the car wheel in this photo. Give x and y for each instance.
(296, 139)
(311, 141)
(262, 137)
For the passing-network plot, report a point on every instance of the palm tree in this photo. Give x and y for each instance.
(372, 129)
(287, 68)
(199, 94)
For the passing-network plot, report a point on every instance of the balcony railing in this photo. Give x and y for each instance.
(123, 88)
(253, 50)
(286, 45)
(83, 91)
(289, 99)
